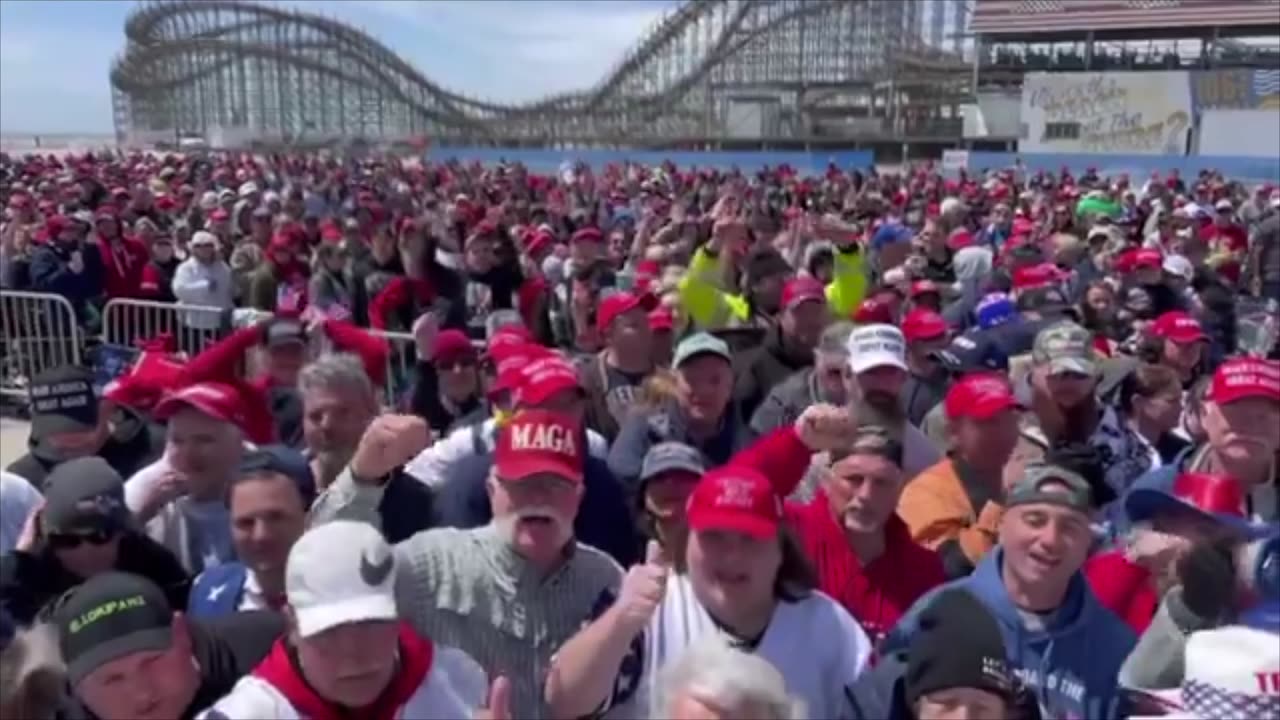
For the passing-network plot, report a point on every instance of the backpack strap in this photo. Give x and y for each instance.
(218, 590)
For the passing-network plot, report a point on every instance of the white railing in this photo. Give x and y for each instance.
(193, 327)
(38, 332)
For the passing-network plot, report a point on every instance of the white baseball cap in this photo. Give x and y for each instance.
(873, 346)
(1180, 266)
(338, 573)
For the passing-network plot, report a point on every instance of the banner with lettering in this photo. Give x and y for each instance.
(1137, 113)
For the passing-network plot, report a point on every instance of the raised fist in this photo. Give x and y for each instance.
(388, 443)
(824, 427)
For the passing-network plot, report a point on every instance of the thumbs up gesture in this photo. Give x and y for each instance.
(643, 589)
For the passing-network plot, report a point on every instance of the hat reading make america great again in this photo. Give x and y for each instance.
(540, 442)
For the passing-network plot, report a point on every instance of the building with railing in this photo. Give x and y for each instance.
(1138, 76)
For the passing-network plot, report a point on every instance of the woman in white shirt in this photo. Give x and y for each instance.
(747, 583)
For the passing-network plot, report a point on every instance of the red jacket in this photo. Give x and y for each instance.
(1125, 588)
(122, 266)
(404, 299)
(877, 594)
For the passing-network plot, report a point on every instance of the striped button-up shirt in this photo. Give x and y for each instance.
(468, 589)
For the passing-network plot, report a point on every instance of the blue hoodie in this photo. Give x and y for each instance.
(1072, 668)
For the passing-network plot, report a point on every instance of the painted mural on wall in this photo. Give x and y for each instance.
(1236, 89)
(1144, 113)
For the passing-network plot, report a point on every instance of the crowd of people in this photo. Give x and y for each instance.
(675, 443)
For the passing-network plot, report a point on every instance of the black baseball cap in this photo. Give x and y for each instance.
(63, 400)
(671, 457)
(108, 617)
(957, 645)
(975, 352)
(83, 495)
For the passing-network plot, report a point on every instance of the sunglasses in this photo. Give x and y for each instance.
(71, 541)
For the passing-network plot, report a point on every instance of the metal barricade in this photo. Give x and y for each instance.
(400, 364)
(193, 327)
(40, 333)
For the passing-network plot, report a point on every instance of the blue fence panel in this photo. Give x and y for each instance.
(542, 160)
(1247, 170)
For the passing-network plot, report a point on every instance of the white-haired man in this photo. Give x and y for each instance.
(510, 593)
(714, 681)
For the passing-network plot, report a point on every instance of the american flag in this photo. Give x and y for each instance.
(1024, 17)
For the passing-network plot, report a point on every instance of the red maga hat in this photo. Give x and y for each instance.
(1179, 327)
(738, 499)
(980, 396)
(217, 400)
(801, 290)
(540, 442)
(1241, 378)
(622, 302)
(923, 324)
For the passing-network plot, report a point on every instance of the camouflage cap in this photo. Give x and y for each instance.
(1052, 485)
(1067, 348)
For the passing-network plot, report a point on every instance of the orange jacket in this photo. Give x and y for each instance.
(936, 508)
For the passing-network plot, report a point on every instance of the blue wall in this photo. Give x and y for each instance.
(548, 161)
(1247, 170)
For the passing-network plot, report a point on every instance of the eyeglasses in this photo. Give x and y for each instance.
(71, 541)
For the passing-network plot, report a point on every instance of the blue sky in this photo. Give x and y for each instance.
(55, 55)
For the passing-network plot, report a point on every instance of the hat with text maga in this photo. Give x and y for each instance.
(980, 396)
(1242, 378)
(217, 400)
(616, 304)
(543, 378)
(340, 573)
(737, 499)
(108, 617)
(63, 400)
(540, 442)
(1178, 326)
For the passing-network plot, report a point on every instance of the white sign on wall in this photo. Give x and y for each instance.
(954, 160)
(1141, 113)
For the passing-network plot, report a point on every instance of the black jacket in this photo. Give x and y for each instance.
(225, 649)
(765, 368)
(132, 445)
(29, 581)
(424, 401)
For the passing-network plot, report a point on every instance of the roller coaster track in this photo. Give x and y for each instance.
(177, 50)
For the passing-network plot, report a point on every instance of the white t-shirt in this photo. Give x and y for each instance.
(815, 643)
